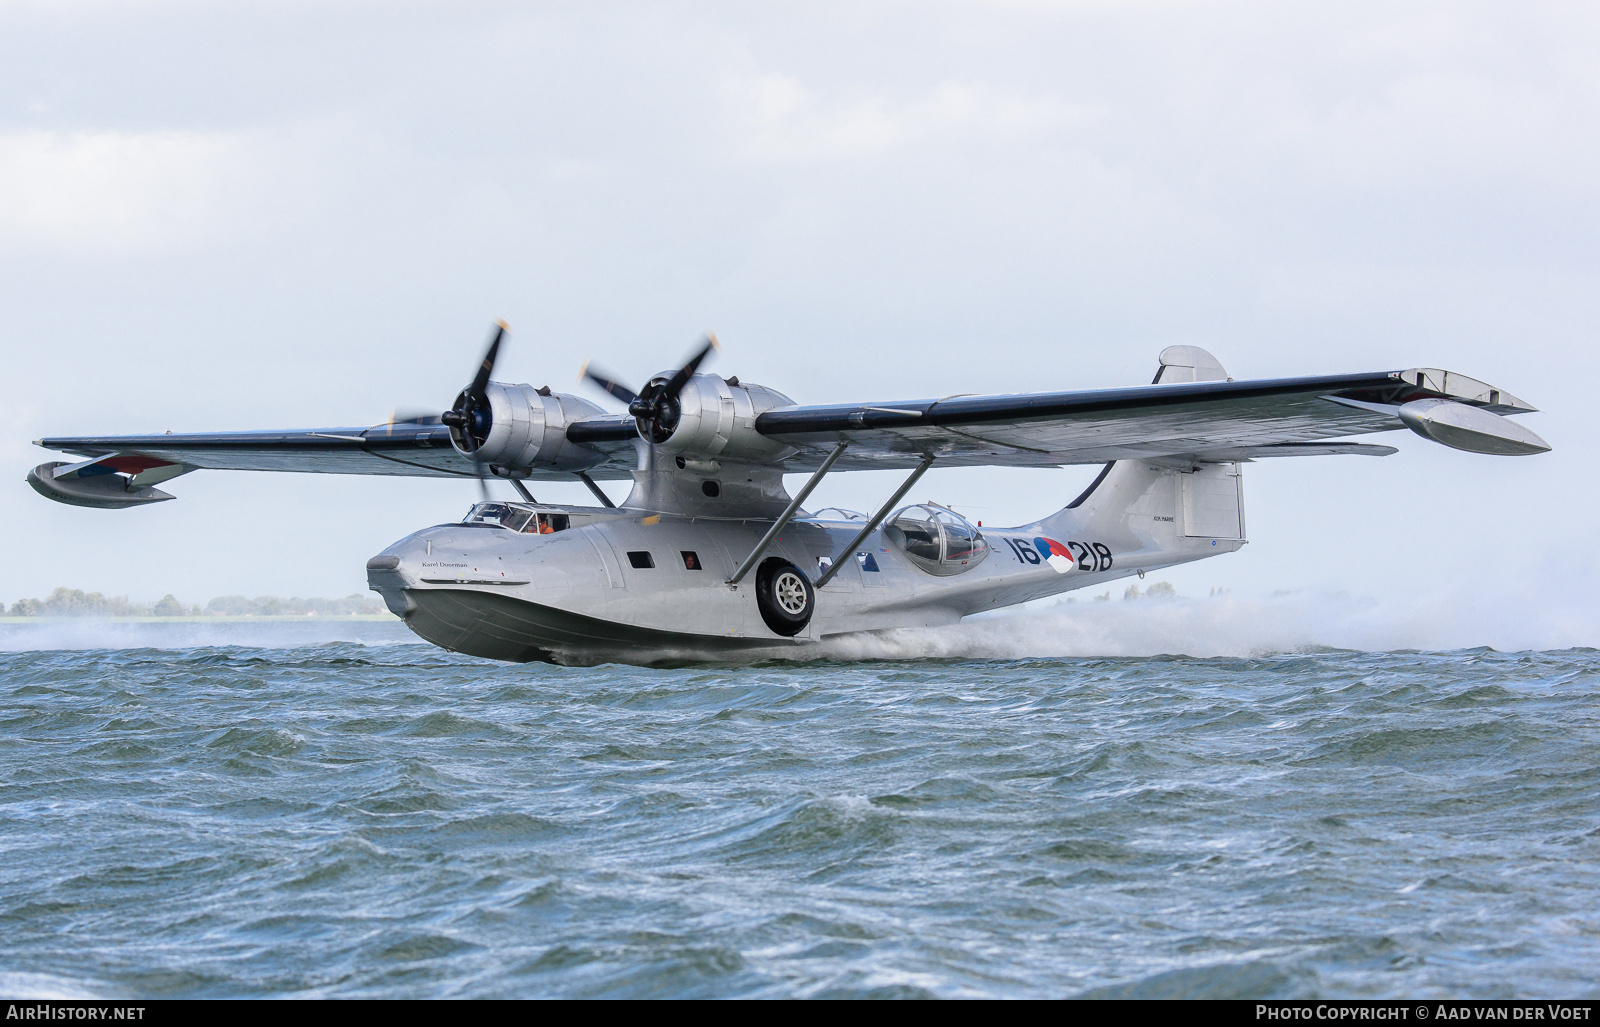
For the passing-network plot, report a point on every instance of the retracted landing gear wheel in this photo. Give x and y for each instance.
(784, 596)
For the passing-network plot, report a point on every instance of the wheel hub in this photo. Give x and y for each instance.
(790, 592)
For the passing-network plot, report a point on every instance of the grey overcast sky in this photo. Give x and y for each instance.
(244, 215)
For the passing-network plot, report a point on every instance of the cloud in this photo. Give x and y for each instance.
(779, 119)
(119, 191)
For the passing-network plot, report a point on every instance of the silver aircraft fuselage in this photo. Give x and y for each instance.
(586, 594)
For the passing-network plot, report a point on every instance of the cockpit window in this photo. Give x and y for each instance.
(517, 517)
(936, 539)
(503, 514)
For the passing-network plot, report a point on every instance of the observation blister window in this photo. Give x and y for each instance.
(936, 539)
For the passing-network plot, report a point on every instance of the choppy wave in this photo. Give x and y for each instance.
(346, 819)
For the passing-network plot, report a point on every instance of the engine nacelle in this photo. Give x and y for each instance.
(528, 430)
(717, 421)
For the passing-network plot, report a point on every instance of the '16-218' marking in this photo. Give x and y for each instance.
(1091, 556)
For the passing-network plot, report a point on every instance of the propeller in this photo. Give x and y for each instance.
(609, 384)
(471, 417)
(411, 415)
(656, 406)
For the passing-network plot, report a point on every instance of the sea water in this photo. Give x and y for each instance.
(355, 814)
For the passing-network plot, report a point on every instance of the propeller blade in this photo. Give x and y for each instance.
(411, 415)
(611, 385)
(675, 384)
(481, 379)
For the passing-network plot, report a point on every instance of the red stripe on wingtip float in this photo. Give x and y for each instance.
(134, 464)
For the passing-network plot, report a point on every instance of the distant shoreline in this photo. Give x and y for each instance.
(219, 618)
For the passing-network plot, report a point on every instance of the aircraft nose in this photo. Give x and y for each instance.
(386, 576)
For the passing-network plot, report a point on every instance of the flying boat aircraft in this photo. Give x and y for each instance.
(710, 554)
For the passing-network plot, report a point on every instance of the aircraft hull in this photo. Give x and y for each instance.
(649, 588)
(502, 627)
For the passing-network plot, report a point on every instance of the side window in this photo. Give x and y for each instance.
(640, 560)
(691, 561)
(547, 523)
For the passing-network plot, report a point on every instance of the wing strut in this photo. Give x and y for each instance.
(877, 518)
(788, 514)
(605, 500)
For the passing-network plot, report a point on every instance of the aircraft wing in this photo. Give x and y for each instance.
(417, 450)
(1205, 421)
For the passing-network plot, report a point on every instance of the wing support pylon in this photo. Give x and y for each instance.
(788, 513)
(875, 520)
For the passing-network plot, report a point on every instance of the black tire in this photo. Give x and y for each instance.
(784, 596)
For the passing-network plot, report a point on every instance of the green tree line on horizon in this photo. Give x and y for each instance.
(72, 602)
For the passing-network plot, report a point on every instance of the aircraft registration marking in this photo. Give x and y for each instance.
(1062, 556)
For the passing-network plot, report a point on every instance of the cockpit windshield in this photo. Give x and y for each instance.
(937, 539)
(518, 517)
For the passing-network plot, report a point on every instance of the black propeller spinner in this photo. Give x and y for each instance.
(471, 417)
(655, 407)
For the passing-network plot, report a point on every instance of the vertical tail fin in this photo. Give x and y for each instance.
(1137, 506)
(1188, 364)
